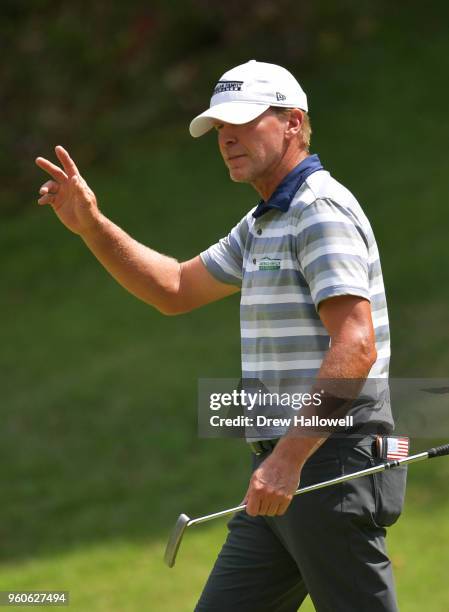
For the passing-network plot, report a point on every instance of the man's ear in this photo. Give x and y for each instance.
(294, 122)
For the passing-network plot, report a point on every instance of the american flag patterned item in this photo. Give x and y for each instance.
(397, 447)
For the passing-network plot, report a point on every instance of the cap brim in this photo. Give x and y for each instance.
(229, 112)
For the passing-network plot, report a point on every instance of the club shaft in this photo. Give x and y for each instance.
(320, 485)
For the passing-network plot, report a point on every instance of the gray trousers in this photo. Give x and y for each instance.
(330, 543)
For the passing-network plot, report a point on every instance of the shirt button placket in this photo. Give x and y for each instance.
(259, 233)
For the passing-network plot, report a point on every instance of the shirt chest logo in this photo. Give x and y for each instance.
(269, 263)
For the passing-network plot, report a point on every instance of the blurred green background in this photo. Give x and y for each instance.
(98, 438)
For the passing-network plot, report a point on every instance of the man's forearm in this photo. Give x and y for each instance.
(147, 274)
(342, 373)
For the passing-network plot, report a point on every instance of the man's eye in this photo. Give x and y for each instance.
(218, 126)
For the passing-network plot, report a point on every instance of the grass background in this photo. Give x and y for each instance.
(99, 451)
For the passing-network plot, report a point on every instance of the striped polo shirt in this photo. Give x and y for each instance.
(309, 242)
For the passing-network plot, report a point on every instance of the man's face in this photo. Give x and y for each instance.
(252, 150)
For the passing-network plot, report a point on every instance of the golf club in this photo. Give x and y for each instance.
(185, 521)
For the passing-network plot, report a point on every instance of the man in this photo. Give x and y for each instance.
(317, 308)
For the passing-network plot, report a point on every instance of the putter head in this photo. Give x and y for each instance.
(175, 539)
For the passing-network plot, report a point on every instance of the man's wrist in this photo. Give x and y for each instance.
(95, 227)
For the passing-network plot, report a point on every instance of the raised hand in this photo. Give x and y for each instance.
(68, 193)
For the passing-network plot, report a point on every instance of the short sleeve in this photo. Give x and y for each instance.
(224, 260)
(332, 251)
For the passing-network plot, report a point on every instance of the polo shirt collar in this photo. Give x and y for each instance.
(284, 192)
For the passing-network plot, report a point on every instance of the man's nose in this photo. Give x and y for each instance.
(227, 135)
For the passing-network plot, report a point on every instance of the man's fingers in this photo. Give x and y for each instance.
(274, 504)
(54, 171)
(273, 508)
(47, 198)
(268, 507)
(269, 504)
(253, 505)
(66, 161)
(283, 506)
(49, 187)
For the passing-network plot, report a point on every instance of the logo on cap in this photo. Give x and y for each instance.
(222, 86)
(280, 97)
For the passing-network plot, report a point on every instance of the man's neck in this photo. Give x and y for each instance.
(267, 184)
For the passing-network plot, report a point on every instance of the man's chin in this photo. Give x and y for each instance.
(238, 180)
(238, 177)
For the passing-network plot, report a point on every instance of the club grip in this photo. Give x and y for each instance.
(438, 451)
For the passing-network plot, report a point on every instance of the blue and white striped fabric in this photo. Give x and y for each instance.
(287, 261)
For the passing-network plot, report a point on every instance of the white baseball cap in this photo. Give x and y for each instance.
(246, 91)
